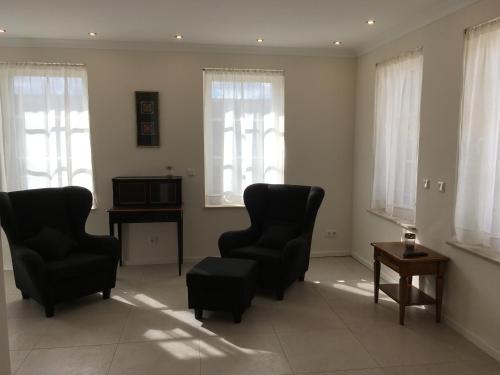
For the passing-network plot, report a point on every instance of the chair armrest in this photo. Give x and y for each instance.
(235, 239)
(30, 267)
(105, 245)
(29, 258)
(294, 248)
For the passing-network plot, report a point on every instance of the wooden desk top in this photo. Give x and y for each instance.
(395, 250)
(145, 209)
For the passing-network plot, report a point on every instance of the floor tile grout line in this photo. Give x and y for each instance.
(323, 296)
(353, 334)
(112, 359)
(199, 353)
(371, 355)
(276, 334)
(22, 362)
(75, 346)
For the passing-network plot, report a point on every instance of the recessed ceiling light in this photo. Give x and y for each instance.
(370, 22)
(260, 40)
(92, 33)
(337, 42)
(178, 36)
(2, 31)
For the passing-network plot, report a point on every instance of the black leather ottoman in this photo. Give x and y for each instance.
(221, 284)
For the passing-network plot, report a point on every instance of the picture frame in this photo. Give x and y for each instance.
(148, 126)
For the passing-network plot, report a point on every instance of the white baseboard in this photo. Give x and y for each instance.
(383, 274)
(152, 261)
(469, 335)
(197, 258)
(472, 337)
(330, 253)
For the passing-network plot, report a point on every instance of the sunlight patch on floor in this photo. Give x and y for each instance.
(183, 350)
(158, 334)
(151, 302)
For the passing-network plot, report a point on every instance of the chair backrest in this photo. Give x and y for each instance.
(286, 204)
(24, 213)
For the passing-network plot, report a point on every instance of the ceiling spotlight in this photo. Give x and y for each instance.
(2, 31)
(178, 37)
(370, 22)
(260, 40)
(92, 34)
(337, 42)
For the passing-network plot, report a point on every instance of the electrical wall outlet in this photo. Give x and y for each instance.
(153, 240)
(331, 233)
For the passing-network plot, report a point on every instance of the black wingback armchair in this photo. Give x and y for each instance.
(279, 238)
(74, 263)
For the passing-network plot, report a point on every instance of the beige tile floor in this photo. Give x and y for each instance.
(327, 325)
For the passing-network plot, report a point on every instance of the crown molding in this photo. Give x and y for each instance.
(173, 47)
(442, 10)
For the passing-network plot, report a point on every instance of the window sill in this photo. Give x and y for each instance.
(402, 223)
(480, 251)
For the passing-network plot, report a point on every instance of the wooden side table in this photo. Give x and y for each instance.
(391, 255)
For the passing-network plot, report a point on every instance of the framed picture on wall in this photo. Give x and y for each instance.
(148, 126)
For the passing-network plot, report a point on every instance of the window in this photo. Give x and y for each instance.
(45, 126)
(244, 132)
(477, 209)
(398, 86)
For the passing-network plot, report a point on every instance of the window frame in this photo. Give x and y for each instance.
(270, 96)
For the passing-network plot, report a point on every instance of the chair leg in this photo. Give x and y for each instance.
(280, 294)
(237, 316)
(106, 294)
(49, 311)
(25, 296)
(198, 314)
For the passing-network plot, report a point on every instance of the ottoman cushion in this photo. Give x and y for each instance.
(225, 284)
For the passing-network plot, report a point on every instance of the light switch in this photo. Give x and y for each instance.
(441, 186)
(427, 183)
(190, 172)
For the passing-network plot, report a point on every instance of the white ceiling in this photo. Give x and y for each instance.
(298, 25)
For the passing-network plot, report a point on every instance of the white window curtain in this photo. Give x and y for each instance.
(398, 87)
(477, 210)
(244, 132)
(44, 126)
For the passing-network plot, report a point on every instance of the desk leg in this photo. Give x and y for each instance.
(403, 291)
(120, 239)
(180, 244)
(439, 293)
(376, 268)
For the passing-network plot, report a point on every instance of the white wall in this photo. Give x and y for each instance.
(4, 338)
(319, 117)
(471, 300)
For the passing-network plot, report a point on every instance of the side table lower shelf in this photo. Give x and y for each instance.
(392, 255)
(414, 298)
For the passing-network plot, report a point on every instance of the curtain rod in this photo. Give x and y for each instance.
(40, 63)
(418, 49)
(245, 70)
(472, 28)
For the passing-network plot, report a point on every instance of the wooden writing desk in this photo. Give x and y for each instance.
(391, 255)
(119, 215)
